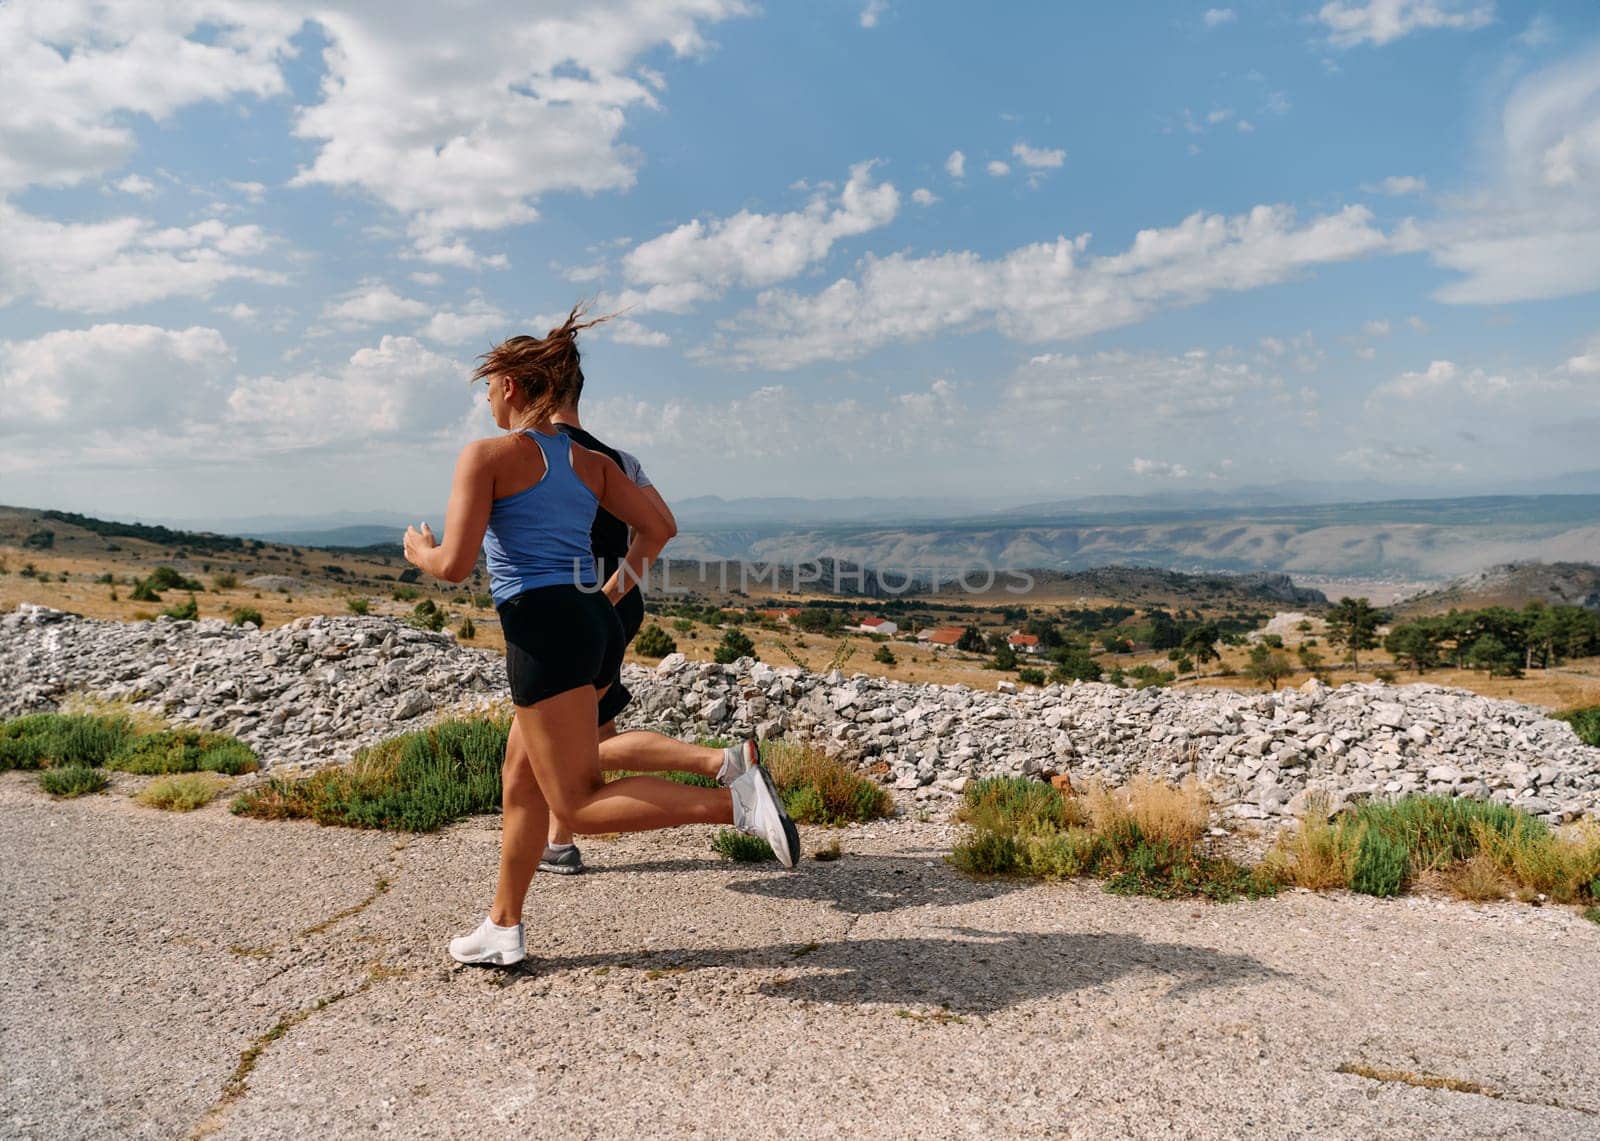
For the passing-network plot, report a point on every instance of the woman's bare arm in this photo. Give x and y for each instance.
(623, 498)
(466, 520)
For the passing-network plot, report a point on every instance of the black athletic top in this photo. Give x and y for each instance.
(608, 538)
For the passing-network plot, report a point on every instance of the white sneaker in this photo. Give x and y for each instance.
(490, 945)
(758, 812)
(736, 761)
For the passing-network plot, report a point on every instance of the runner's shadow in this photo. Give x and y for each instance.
(966, 971)
(873, 885)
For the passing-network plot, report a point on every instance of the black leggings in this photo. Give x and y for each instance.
(559, 638)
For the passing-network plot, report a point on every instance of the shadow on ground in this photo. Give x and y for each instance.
(966, 971)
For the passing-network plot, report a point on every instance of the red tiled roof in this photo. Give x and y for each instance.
(872, 621)
(1023, 639)
(946, 636)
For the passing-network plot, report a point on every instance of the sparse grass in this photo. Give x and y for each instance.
(742, 849)
(181, 793)
(68, 781)
(1320, 855)
(417, 782)
(1142, 839)
(185, 751)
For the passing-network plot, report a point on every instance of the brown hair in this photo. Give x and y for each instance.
(545, 369)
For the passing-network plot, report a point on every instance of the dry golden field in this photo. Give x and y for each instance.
(69, 575)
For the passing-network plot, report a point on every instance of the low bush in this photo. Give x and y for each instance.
(654, 642)
(357, 605)
(1585, 722)
(418, 782)
(741, 848)
(183, 793)
(1143, 839)
(184, 751)
(239, 615)
(72, 780)
(466, 631)
(184, 611)
(817, 789)
(224, 580)
(49, 740)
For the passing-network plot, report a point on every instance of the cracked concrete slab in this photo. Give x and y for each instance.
(671, 994)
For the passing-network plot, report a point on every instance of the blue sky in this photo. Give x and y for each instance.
(249, 248)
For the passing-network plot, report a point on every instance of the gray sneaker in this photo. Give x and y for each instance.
(566, 862)
(758, 811)
(736, 761)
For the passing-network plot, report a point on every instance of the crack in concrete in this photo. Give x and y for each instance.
(1454, 1085)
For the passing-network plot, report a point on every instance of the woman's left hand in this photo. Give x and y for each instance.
(417, 543)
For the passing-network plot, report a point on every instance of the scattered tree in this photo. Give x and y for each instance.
(1353, 625)
(654, 642)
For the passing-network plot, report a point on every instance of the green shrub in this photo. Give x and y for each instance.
(654, 642)
(417, 782)
(426, 616)
(72, 780)
(184, 611)
(1381, 867)
(166, 578)
(986, 854)
(184, 751)
(1028, 675)
(817, 789)
(406, 593)
(183, 793)
(466, 631)
(357, 605)
(224, 580)
(1585, 722)
(47, 740)
(144, 592)
(735, 644)
(741, 848)
(885, 656)
(239, 615)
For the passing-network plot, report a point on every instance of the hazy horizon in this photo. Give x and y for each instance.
(1071, 253)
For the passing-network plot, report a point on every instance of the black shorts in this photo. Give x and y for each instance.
(559, 638)
(630, 611)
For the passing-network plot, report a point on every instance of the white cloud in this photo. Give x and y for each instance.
(626, 332)
(1417, 323)
(76, 70)
(1397, 185)
(137, 376)
(135, 184)
(251, 191)
(1220, 115)
(1037, 158)
(997, 169)
(476, 320)
(1161, 469)
(1041, 292)
(1147, 388)
(1387, 458)
(1376, 328)
(872, 12)
(956, 165)
(241, 312)
(700, 259)
(1218, 16)
(1380, 22)
(398, 389)
(1535, 233)
(461, 118)
(922, 196)
(1245, 126)
(103, 267)
(371, 303)
(426, 277)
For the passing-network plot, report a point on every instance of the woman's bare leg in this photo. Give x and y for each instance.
(562, 743)
(644, 751)
(525, 813)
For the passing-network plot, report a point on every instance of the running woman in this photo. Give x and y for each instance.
(528, 499)
(638, 750)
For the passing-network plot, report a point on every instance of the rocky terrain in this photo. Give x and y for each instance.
(317, 690)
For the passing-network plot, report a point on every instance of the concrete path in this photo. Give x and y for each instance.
(191, 975)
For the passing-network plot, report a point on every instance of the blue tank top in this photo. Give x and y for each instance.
(540, 536)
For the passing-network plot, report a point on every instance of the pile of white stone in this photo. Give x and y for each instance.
(319, 689)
